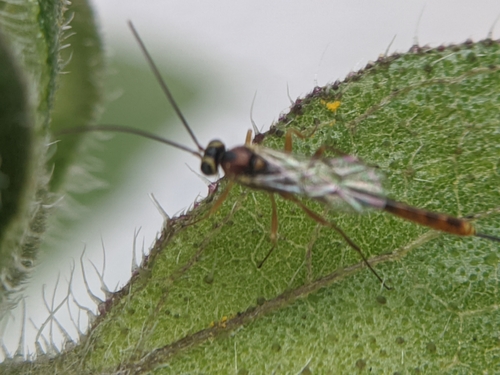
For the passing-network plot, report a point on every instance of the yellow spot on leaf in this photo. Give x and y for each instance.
(331, 106)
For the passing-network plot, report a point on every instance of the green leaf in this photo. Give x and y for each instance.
(33, 33)
(16, 138)
(429, 121)
(29, 52)
(78, 98)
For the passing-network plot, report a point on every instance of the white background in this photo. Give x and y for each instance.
(258, 46)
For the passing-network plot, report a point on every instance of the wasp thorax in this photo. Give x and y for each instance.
(212, 157)
(242, 160)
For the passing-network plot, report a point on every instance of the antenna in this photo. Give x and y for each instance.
(163, 85)
(127, 130)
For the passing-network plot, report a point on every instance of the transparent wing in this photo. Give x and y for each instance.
(333, 181)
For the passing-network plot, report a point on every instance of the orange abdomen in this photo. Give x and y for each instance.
(442, 222)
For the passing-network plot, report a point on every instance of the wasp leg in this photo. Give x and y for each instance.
(289, 139)
(248, 139)
(319, 152)
(274, 229)
(313, 215)
(222, 198)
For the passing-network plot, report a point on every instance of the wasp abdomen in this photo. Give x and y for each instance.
(442, 222)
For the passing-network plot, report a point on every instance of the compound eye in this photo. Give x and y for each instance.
(208, 166)
(212, 157)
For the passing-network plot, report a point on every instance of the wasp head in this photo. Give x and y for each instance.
(212, 157)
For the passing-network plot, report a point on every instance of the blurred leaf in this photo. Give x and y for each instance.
(136, 100)
(78, 98)
(30, 43)
(16, 149)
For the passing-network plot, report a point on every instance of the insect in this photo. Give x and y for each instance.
(324, 179)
